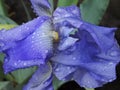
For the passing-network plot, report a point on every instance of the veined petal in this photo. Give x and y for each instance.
(90, 61)
(41, 80)
(30, 51)
(67, 16)
(92, 76)
(64, 12)
(67, 43)
(101, 35)
(63, 71)
(42, 7)
(9, 37)
(81, 51)
(84, 79)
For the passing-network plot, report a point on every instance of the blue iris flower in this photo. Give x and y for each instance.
(84, 52)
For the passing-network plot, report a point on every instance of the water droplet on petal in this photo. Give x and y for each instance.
(111, 63)
(46, 51)
(74, 58)
(24, 64)
(2, 44)
(114, 53)
(57, 69)
(68, 68)
(15, 64)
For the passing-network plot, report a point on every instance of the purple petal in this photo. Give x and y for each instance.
(68, 42)
(33, 50)
(41, 80)
(84, 79)
(63, 71)
(96, 74)
(103, 36)
(64, 12)
(85, 55)
(81, 51)
(20, 32)
(42, 7)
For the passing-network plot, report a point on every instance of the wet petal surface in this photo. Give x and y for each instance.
(41, 80)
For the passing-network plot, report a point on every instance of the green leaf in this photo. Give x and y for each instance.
(22, 75)
(67, 2)
(1, 72)
(51, 3)
(93, 10)
(1, 57)
(89, 89)
(19, 87)
(6, 20)
(6, 85)
(6, 26)
(2, 8)
(57, 83)
(26, 10)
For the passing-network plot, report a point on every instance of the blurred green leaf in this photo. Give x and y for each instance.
(6, 20)
(93, 10)
(6, 26)
(1, 72)
(22, 75)
(67, 2)
(1, 57)
(51, 3)
(1, 68)
(89, 89)
(57, 83)
(19, 87)
(26, 10)
(6, 85)
(2, 8)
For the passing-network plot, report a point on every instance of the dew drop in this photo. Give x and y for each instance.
(68, 68)
(27, 28)
(114, 53)
(32, 41)
(46, 51)
(33, 37)
(15, 64)
(24, 64)
(2, 44)
(111, 63)
(19, 61)
(74, 58)
(46, 83)
(57, 69)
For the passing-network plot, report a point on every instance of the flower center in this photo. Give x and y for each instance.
(55, 36)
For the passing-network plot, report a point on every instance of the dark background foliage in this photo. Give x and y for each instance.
(111, 18)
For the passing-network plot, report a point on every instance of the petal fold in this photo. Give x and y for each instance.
(30, 51)
(42, 7)
(41, 80)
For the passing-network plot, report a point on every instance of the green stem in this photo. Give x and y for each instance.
(89, 89)
(3, 10)
(26, 10)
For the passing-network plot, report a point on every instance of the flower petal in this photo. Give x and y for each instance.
(84, 79)
(42, 7)
(20, 32)
(93, 77)
(64, 12)
(67, 16)
(62, 71)
(68, 42)
(81, 51)
(101, 35)
(90, 61)
(41, 80)
(33, 50)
